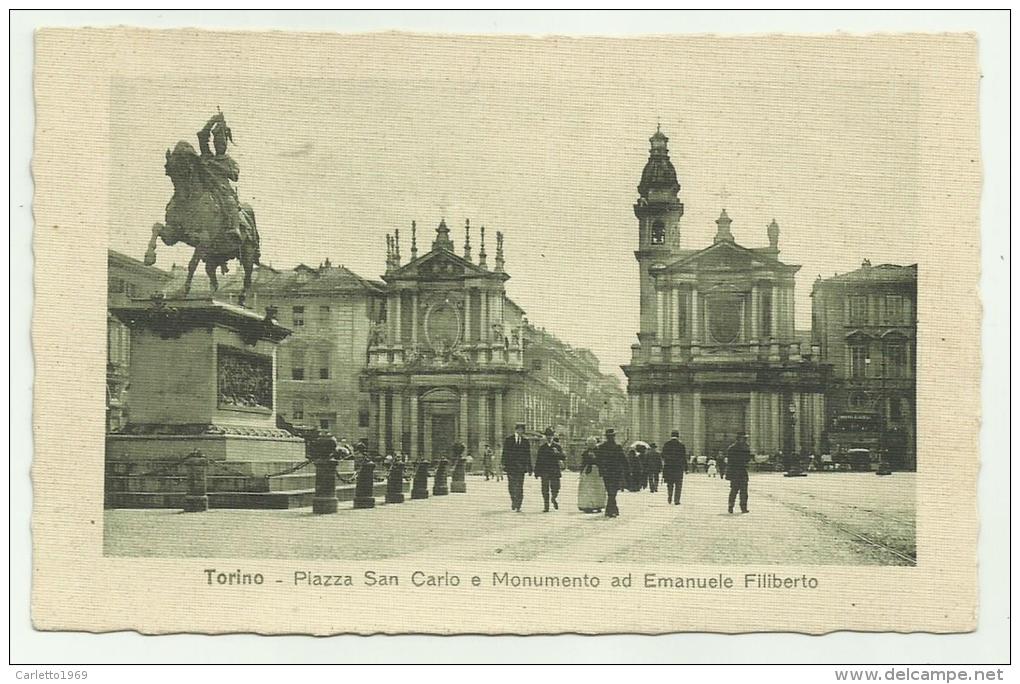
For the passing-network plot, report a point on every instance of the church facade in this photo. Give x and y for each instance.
(717, 351)
(446, 351)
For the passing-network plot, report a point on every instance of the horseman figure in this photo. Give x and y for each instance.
(205, 212)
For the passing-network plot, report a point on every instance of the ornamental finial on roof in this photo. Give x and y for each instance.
(481, 250)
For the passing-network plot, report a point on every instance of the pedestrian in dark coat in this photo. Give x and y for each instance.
(516, 464)
(637, 469)
(653, 466)
(738, 455)
(547, 468)
(612, 464)
(674, 465)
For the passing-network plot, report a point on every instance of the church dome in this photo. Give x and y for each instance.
(659, 173)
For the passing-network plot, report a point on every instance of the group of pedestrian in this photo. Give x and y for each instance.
(548, 466)
(606, 470)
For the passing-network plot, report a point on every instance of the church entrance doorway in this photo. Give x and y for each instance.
(724, 420)
(444, 434)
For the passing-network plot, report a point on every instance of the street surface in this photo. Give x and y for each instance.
(822, 519)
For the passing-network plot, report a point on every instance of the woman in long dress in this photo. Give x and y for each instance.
(591, 490)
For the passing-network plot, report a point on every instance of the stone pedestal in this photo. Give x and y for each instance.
(202, 378)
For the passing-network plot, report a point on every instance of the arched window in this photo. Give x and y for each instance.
(658, 233)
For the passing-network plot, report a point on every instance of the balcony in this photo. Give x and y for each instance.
(475, 355)
(738, 352)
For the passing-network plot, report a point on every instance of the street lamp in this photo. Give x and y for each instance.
(793, 466)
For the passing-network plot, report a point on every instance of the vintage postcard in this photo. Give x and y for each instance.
(399, 333)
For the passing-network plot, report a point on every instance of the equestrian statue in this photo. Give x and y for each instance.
(204, 211)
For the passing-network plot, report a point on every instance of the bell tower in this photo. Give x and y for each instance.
(658, 210)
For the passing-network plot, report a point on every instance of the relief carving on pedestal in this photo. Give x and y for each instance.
(243, 380)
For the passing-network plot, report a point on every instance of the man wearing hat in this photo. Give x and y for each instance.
(516, 464)
(613, 466)
(547, 467)
(674, 465)
(737, 456)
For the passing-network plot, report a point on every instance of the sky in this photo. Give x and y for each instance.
(545, 141)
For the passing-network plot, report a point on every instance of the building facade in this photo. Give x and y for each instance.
(433, 354)
(717, 351)
(865, 324)
(127, 279)
(453, 359)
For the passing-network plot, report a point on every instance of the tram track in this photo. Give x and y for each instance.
(877, 514)
(909, 559)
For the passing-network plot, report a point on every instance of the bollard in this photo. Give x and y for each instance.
(197, 498)
(458, 484)
(420, 486)
(321, 451)
(441, 487)
(395, 484)
(325, 500)
(883, 466)
(364, 496)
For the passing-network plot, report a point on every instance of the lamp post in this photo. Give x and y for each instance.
(793, 466)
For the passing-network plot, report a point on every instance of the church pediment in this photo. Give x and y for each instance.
(722, 257)
(439, 264)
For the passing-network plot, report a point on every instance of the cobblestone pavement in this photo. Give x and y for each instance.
(824, 519)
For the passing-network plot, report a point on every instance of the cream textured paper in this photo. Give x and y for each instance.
(78, 73)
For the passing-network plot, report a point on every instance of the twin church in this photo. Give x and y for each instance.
(717, 351)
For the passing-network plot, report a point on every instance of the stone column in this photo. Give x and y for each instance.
(414, 318)
(798, 422)
(463, 418)
(754, 313)
(498, 419)
(483, 423)
(467, 315)
(635, 417)
(699, 434)
(791, 313)
(676, 417)
(656, 435)
(819, 408)
(427, 435)
(774, 313)
(774, 401)
(398, 333)
(382, 422)
(397, 422)
(754, 409)
(660, 312)
(485, 328)
(414, 424)
(695, 321)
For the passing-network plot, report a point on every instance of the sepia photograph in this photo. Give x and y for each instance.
(624, 340)
(475, 333)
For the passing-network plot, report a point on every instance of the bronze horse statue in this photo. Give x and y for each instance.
(204, 211)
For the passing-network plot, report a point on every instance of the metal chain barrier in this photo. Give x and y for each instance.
(164, 469)
(288, 471)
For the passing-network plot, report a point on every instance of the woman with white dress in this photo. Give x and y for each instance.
(591, 490)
